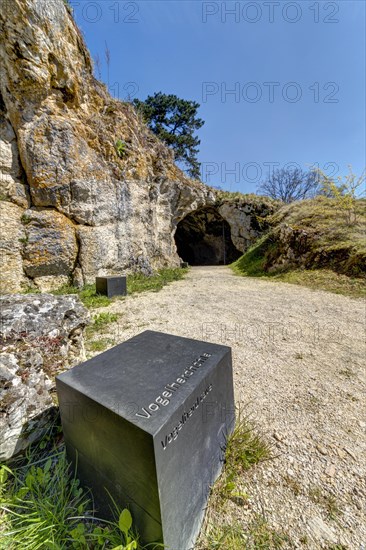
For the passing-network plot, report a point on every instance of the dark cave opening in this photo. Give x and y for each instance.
(203, 237)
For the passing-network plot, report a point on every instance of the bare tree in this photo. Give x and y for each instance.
(98, 66)
(107, 53)
(290, 184)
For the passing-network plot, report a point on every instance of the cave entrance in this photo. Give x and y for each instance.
(203, 237)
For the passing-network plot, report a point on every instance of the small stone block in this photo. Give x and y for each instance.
(148, 421)
(111, 286)
(184, 264)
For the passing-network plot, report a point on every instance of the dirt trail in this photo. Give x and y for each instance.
(299, 369)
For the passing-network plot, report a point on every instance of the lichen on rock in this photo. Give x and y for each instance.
(40, 335)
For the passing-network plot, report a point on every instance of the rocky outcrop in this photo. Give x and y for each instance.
(292, 248)
(44, 316)
(87, 209)
(246, 218)
(26, 403)
(40, 335)
(315, 234)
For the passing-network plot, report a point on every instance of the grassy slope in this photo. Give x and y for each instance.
(335, 250)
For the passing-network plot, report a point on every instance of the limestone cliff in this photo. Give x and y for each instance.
(70, 206)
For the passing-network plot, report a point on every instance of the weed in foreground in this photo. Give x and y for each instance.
(326, 501)
(258, 535)
(43, 506)
(245, 448)
(87, 295)
(99, 345)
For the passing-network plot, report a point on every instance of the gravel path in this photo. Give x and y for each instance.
(299, 370)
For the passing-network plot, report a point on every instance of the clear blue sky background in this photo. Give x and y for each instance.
(178, 46)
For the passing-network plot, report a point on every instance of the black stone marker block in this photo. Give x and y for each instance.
(111, 286)
(148, 420)
(184, 264)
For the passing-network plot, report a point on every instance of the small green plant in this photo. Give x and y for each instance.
(40, 502)
(24, 240)
(125, 524)
(31, 290)
(245, 448)
(43, 506)
(141, 283)
(25, 219)
(102, 319)
(100, 344)
(99, 325)
(87, 295)
(225, 537)
(326, 501)
(257, 536)
(121, 148)
(262, 536)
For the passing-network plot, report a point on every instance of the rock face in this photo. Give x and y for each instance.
(246, 219)
(40, 335)
(50, 247)
(26, 404)
(12, 237)
(87, 211)
(75, 207)
(12, 177)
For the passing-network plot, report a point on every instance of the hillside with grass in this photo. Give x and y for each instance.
(316, 242)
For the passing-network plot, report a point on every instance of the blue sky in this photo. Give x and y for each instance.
(296, 71)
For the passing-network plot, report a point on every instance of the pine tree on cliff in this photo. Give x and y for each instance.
(174, 121)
